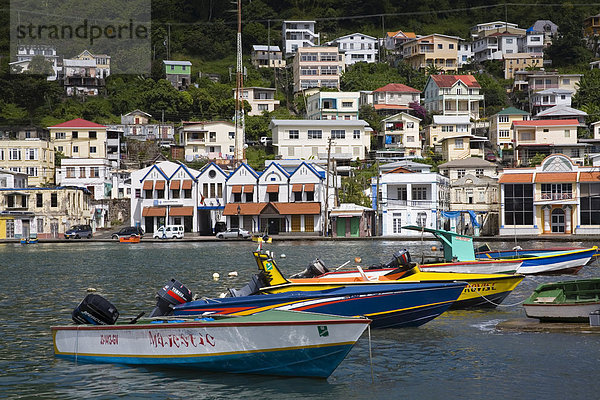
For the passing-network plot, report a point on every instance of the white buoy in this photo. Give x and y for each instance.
(282, 256)
(216, 276)
(91, 289)
(233, 273)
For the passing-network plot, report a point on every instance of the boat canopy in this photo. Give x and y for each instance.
(457, 247)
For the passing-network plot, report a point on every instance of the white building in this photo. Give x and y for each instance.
(267, 56)
(409, 198)
(165, 194)
(399, 137)
(453, 95)
(260, 99)
(25, 54)
(308, 139)
(495, 46)
(94, 174)
(357, 47)
(211, 185)
(465, 52)
(208, 139)
(11, 179)
(548, 98)
(298, 34)
(333, 105)
(136, 125)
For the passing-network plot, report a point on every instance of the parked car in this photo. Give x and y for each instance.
(234, 233)
(128, 231)
(169, 232)
(78, 232)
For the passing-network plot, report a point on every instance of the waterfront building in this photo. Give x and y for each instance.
(32, 156)
(352, 220)
(165, 193)
(557, 197)
(474, 192)
(409, 198)
(43, 212)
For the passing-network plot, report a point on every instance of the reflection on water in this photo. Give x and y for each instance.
(459, 353)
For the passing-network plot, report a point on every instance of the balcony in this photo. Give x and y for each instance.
(422, 204)
(556, 196)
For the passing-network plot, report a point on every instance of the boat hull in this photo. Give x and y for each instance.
(561, 312)
(388, 306)
(547, 262)
(310, 348)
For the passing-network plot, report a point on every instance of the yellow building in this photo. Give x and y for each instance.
(436, 50)
(521, 61)
(34, 157)
(591, 26)
(317, 67)
(42, 212)
(79, 138)
(462, 146)
(501, 129)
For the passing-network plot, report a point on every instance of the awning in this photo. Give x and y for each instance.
(236, 189)
(181, 211)
(154, 212)
(187, 184)
(297, 187)
(244, 208)
(159, 185)
(589, 176)
(148, 185)
(298, 208)
(175, 184)
(248, 188)
(516, 178)
(554, 177)
(272, 188)
(309, 187)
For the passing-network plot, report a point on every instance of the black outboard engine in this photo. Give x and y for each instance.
(172, 294)
(95, 310)
(250, 289)
(400, 258)
(315, 268)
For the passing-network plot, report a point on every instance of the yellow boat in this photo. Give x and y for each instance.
(482, 291)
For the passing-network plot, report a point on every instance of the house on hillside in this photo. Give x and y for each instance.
(453, 95)
(179, 73)
(333, 105)
(25, 54)
(501, 131)
(391, 98)
(212, 140)
(357, 47)
(316, 67)
(443, 126)
(297, 35)
(394, 40)
(267, 56)
(440, 51)
(260, 99)
(399, 137)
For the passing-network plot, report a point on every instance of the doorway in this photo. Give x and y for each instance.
(558, 220)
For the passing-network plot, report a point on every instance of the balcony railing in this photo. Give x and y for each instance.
(556, 196)
(427, 204)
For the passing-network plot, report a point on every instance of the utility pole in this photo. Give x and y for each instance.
(376, 225)
(238, 155)
(325, 221)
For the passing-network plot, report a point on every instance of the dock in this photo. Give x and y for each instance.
(533, 325)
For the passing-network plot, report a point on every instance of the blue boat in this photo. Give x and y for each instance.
(387, 305)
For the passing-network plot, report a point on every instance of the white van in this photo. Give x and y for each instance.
(169, 232)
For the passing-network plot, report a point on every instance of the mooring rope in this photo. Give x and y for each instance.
(494, 303)
(371, 355)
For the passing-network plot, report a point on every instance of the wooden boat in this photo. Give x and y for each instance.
(129, 239)
(459, 248)
(565, 301)
(273, 342)
(388, 305)
(481, 291)
(29, 240)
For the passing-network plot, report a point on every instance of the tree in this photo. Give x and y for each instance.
(40, 66)
(12, 114)
(568, 48)
(537, 159)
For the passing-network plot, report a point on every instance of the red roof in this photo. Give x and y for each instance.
(78, 123)
(547, 122)
(447, 81)
(397, 87)
(390, 107)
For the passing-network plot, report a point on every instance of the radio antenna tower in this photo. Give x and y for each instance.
(239, 109)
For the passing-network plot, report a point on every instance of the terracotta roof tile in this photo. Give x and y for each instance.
(397, 87)
(181, 211)
(78, 123)
(154, 212)
(175, 184)
(245, 208)
(298, 208)
(552, 177)
(589, 176)
(516, 178)
(446, 81)
(547, 122)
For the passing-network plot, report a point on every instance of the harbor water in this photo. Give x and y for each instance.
(458, 355)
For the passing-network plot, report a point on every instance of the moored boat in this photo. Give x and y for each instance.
(388, 305)
(274, 342)
(564, 301)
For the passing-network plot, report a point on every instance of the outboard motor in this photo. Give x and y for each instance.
(315, 268)
(250, 289)
(172, 294)
(400, 258)
(95, 310)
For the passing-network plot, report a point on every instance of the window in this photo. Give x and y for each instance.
(187, 193)
(346, 104)
(419, 193)
(263, 107)
(447, 128)
(310, 196)
(518, 204)
(14, 154)
(451, 45)
(575, 153)
(32, 171)
(231, 135)
(94, 172)
(138, 193)
(92, 149)
(40, 225)
(82, 172)
(31, 154)
(504, 133)
(75, 135)
(503, 118)
(590, 203)
(338, 134)
(24, 201)
(93, 135)
(10, 201)
(1, 154)
(75, 149)
(479, 172)
(460, 173)
(212, 136)
(397, 223)
(566, 81)
(39, 200)
(70, 172)
(509, 41)
(293, 134)
(297, 196)
(458, 144)
(402, 193)
(567, 133)
(315, 134)
(147, 194)
(410, 139)
(53, 200)
(231, 149)
(273, 197)
(356, 134)
(440, 46)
